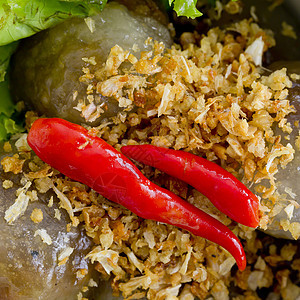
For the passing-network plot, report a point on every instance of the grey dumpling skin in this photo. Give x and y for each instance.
(29, 267)
(48, 66)
(289, 177)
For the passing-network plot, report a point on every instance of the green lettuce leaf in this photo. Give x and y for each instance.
(186, 8)
(7, 107)
(23, 18)
(5, 54)
(8, 126)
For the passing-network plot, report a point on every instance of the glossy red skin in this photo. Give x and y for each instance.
(64, 146)
(227, 193)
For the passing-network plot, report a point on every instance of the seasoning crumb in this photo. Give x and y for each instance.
(82, 146)
(7, 147)
(92, 283)
(68, 227)
(295, 76)
(50, 204)
(81, 273)
(20, 205)
(7, 184)
(255, 50)
(12, 164)
(57, 214)
(36, 215)
(91, 60)
(90, 24)
(288, 30)
(42, 233)
(21, 144)
(64, 255)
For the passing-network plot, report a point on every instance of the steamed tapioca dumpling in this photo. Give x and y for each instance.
(48, 66)
(40, 259)
(287, 178)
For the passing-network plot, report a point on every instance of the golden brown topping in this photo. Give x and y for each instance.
(7, 147)
(12, 164)
(7, 184)
(36, 215)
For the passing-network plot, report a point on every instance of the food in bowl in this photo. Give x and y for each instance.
(209, 97)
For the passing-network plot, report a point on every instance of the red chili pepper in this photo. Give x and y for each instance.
(70, 149)
(227, 193)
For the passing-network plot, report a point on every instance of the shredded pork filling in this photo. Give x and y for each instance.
(211, 99)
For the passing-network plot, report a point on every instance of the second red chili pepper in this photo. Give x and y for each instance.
(227, 193)
(70, 149)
